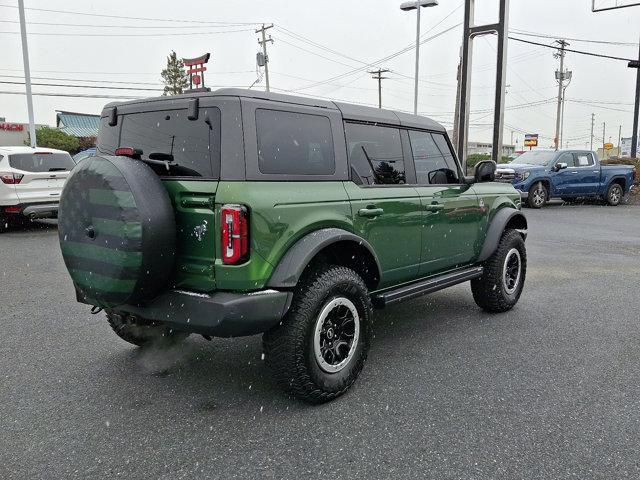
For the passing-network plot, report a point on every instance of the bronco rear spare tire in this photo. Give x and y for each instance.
(117, 231)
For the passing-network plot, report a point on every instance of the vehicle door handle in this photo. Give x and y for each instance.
(574, 172)
(370, 212)
(434, 207)
(198, 202)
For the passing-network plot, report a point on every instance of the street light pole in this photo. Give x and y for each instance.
(27, 73)
(416, 5)
(415, 80)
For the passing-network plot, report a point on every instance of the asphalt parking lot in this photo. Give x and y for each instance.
(548, 390)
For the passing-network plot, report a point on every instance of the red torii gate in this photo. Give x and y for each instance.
(195, 70)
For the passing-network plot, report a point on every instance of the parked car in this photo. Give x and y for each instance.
(238, 212)
(89, 152)
(543, 174)
(31, 180)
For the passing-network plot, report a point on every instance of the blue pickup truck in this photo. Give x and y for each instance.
(543, 174)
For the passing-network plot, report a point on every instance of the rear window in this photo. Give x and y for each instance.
(191, 147)
(294, 143)
(41, 162)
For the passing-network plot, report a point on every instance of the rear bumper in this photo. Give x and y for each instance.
(41, 211)
(36, 210)
(222, 314)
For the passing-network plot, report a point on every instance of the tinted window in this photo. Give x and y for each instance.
(375, 153)
(41, 162)
(566, 158)
(584, 160)
(433, 158)
(108, 136)
(294, 143)
(170, 134)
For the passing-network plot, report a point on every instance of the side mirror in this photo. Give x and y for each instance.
(560, 166)
(485, 171)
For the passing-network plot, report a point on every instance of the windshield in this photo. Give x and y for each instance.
(41, 162)
(534, 157)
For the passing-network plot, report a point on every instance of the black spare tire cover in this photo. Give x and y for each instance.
(117, 231)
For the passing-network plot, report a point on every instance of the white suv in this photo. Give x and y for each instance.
(31, 180)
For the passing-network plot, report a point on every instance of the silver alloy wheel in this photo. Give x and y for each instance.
(336, 334)
(539, 195)
(511, 271)
(615, 194)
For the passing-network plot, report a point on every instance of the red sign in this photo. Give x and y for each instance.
(12, 127)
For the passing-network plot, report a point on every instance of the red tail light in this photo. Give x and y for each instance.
(11, 178)
(12, 209)
(634, 174)
(235, 234)
(128, 152)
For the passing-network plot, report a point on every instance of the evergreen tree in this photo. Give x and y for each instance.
(174, 77)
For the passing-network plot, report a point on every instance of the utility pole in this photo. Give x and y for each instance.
(456, 113)
(560, 78)
(619, 138)
(604, 140)
(377, 75)
(27, 73)
(593, 119)
(263, 43)
(636, 109)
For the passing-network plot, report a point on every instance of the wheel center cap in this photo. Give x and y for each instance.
(330, 333)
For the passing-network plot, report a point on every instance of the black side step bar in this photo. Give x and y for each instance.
(428, 285)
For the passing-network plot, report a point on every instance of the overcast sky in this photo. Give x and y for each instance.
(317, 41)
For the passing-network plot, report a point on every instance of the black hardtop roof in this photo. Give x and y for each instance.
(349, 111)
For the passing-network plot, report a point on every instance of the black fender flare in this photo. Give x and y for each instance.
(292, 264)
(495, 229)
(613, 179)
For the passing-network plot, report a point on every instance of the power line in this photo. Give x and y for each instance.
(137, 27)
(376, 62)
(73, 95)
(122, 17)
(158, 34)
(6, 82)
(571, 50)
(81, 80)
(553, 37)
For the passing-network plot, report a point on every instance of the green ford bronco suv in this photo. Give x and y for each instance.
(236, 212)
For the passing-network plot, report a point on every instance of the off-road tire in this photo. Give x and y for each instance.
(146, 334)
(489, 290)
(614, 194)
(538, 195)
(289, 347)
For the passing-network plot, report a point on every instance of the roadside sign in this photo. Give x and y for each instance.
(531, 140)
(608, 146)
(625, 146)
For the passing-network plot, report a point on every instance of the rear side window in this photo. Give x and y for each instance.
(191, 147)
(41, 162)
(375, 153)
(584, 160)
(292, 143)
(433, 158)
